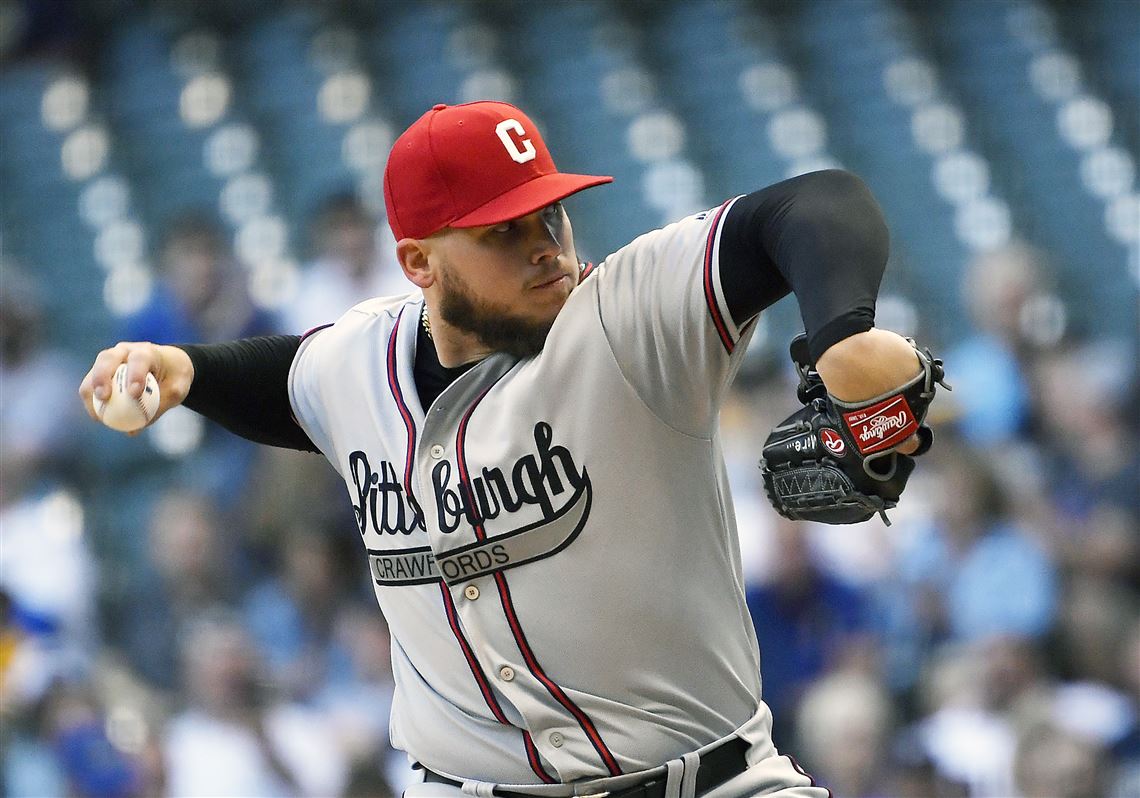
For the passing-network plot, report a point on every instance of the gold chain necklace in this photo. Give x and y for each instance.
(425, 320)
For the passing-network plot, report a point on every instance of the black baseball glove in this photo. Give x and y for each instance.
(837, 462)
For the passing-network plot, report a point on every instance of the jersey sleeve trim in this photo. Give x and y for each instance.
(714, 292)
(409, 423)
(315, 330)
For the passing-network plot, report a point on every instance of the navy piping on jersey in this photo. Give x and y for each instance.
(710, 292)
(531, 660)
(316, 329)
(409, 425)
(796, 767)
(485, 687)
(448, 603)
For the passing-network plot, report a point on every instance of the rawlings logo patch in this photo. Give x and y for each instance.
(882, 425)
(832, 441)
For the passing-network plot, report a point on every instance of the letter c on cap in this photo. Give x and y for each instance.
(520, 156)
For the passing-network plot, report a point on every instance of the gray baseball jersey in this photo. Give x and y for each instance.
(552, 541)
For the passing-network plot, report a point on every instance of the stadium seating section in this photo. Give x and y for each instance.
(975, 122)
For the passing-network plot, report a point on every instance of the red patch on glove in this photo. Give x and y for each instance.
(882, 425)
(832, 441)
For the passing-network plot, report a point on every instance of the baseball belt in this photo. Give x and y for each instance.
(717, 766)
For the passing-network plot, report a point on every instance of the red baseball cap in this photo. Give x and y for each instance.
(469, 165)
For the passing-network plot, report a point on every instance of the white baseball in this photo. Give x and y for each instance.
(123, 412)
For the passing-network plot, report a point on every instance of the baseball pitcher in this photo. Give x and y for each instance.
(531, 448)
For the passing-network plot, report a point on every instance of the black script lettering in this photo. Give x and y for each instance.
(391, 513)
(497, 486)
(534, 479)
(379, 499)
(417, 514)
(364, 479)
(547, 454)
(484, 497)
(529, 484)
(448, 503)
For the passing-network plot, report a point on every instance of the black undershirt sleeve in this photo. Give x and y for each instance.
(243, 386)
(819, 235)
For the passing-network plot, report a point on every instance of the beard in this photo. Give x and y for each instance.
(494, 327)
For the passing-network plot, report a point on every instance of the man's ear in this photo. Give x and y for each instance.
(412, 253)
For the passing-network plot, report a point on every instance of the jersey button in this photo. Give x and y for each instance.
(506, 673)
(436, 452)
(471, 592)
(556, 739)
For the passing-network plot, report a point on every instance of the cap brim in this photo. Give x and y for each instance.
(528, 198)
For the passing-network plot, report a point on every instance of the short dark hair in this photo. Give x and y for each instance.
(343, 207)
(198, 230)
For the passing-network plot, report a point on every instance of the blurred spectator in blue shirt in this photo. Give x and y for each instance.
(94, 766)
(807, 622)
(359, 707)
(28, 766)
(975, 572)
(291, 614)
(991, 388)
(202, 297)
(1086, 404)
(192, 568)
(202, 294)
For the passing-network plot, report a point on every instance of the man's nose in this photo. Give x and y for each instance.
(544, 239)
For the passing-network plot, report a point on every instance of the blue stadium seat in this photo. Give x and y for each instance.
(701, 50)
(22, 86)
(988, 64)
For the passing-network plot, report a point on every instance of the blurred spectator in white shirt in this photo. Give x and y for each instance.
(39, 417)
(236, 737)
(353, 260)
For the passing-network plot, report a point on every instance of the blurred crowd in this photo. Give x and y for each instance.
(987, 643)
(183, 613)
(188, 614)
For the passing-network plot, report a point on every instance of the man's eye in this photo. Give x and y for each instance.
(505, 227)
